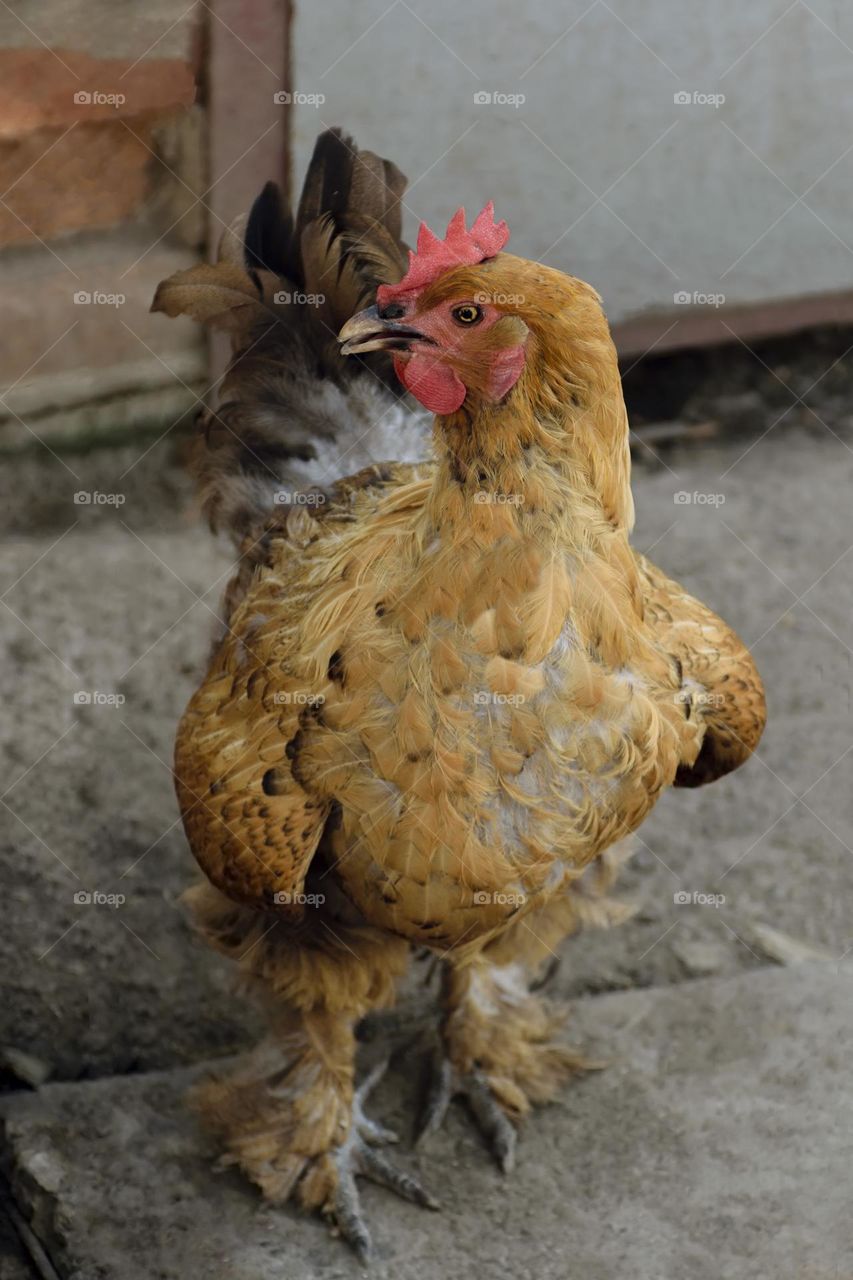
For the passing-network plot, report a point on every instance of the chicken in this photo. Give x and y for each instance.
(446, 685)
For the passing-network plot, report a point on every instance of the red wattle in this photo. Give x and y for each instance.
(435, 384)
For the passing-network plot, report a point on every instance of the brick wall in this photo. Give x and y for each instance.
(105, 188)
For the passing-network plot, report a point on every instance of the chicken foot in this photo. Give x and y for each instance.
(289, 1113)
(498, 1051)
(357, 1156)
(293, 1120)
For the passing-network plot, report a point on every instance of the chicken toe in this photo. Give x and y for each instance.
(446, 1083)
(499, 1050)
(358, 1156)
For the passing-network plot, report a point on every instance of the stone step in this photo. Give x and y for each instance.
(718, 1142)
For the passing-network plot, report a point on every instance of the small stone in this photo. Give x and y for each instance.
(26, 1067)
(700, 958)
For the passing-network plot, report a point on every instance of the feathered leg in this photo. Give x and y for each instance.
(500, 1043)
(499, 1049)
(290, 1114)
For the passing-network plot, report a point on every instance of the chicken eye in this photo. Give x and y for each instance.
(468, 313)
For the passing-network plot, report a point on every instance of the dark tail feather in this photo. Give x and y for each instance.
(269, 234)
(292, 411)
(327, 185)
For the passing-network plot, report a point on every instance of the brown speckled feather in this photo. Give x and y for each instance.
(722, 685)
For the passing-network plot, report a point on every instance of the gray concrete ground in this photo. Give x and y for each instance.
(715, 1144)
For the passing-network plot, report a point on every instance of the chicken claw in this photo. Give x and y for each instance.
(357, 1156)
(446, 1083)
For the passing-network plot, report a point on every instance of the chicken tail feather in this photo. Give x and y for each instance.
(291, 412)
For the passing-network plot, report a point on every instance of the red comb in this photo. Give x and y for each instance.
(459, 247)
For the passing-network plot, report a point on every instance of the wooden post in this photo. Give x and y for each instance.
(248, 63)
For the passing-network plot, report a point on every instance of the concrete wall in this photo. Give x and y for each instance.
(600, 172)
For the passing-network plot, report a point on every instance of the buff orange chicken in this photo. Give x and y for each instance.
(446, 686)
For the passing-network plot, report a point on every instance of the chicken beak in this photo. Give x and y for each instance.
(367, 331)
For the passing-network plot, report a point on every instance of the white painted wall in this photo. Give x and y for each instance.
(600, 172)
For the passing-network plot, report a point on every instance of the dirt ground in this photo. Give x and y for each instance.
(109, 1001)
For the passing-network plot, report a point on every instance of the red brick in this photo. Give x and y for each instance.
(95, 176)
(42, 88)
